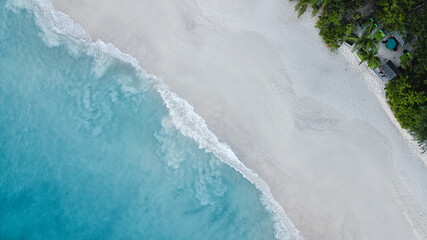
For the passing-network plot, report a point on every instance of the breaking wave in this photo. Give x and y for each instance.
(59, 27)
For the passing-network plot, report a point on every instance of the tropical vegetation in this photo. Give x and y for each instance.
(370, 57)
(366, 41)
(337, 22)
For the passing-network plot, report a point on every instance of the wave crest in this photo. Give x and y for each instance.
(58, 27)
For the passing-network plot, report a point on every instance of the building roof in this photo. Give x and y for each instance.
(389, 70)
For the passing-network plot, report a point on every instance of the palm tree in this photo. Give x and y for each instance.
(366, 41)
(369, 56)
(369, 27)
(316, 9)
(302, 6)
(319, 4)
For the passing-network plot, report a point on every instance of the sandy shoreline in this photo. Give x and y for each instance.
(293, 112)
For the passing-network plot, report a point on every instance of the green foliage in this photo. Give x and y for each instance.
(393, 13)
(418, 27)
(406, 94)
(405, 100)
(302, 6)
(369, 56)
(364, 42)
(421, 125)
(334, 28)
(396, 15)
(317, 5)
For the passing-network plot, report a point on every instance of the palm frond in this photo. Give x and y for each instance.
(351, 38)
(301, 8)
(368, 29)
(369, 56)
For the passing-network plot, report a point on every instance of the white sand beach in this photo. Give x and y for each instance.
(307, 121)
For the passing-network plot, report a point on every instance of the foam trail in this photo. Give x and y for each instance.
(59, 27)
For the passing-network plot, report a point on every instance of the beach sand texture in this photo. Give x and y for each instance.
(301, 117)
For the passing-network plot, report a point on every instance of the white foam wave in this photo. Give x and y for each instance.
(58, 27)
(192, 125)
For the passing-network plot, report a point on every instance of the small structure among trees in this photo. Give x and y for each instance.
(406, 20)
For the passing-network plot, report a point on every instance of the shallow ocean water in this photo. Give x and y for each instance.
(88, 150)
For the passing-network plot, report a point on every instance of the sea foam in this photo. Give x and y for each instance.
(59, 27)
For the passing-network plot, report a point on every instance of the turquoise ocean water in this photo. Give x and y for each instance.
(88, 150)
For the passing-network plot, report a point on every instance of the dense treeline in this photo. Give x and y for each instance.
(407, 93)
